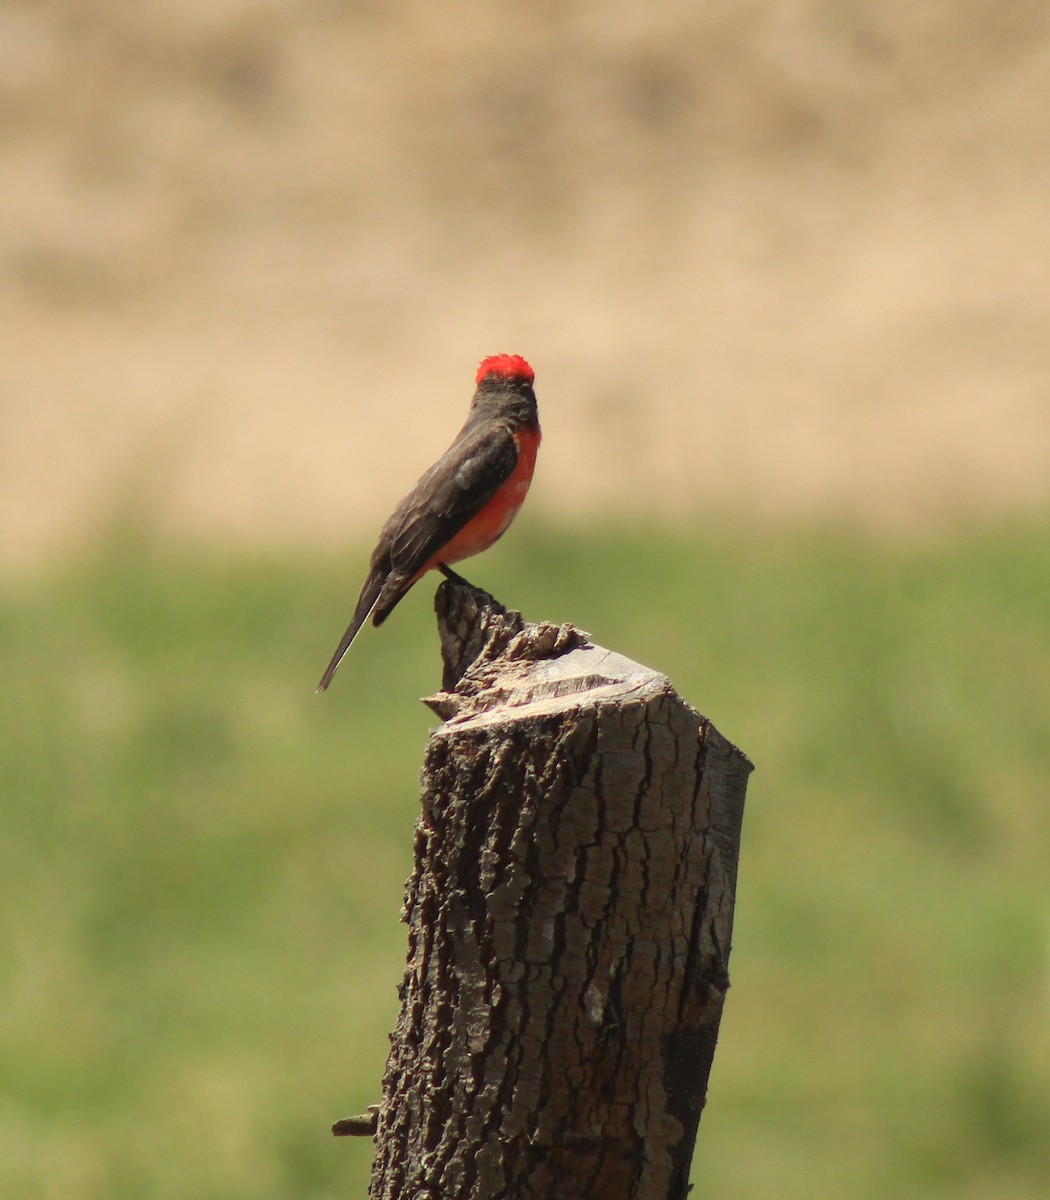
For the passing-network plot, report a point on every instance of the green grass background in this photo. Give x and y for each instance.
(201, 861)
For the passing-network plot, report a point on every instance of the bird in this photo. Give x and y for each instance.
(464, 503)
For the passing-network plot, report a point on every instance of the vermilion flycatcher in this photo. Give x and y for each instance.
(464, 503)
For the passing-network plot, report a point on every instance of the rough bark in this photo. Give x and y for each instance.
(570, 917)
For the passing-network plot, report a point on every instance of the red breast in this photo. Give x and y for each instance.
(493, 520)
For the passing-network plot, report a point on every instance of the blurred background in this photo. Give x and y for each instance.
(783, 270)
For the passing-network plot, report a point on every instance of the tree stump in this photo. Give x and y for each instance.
(570, 916)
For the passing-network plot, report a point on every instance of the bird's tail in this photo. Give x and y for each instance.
(367, 601)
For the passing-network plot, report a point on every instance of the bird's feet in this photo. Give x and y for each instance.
(453, 576)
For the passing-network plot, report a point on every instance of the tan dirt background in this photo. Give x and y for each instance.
(778, 259)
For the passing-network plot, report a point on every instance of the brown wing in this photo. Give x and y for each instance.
(455, 488)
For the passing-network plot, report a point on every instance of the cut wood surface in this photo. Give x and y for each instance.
(570, 917)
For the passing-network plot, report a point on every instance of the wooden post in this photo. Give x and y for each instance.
(569, 917)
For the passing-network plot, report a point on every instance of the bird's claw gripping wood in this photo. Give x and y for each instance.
(453, 576)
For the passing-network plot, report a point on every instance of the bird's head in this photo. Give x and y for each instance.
(505, 390)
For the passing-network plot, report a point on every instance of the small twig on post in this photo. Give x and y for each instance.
(363, 1125)
(570, 917)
